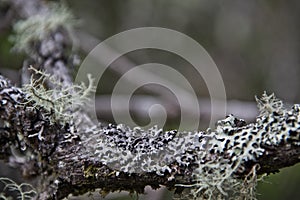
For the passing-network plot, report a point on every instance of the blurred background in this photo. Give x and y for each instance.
(255, 44)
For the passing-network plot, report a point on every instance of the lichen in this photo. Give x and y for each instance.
(213, 158)
(39, 26)
(12, 190)
(230, 146)
(268, 104)
(60, 102)
(217, 154)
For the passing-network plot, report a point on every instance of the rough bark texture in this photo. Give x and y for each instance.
(26, 129)
(74, 158)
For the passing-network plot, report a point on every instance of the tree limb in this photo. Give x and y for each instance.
(74, 166)
(71, 158)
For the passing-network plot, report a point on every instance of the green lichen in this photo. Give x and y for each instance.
(37, 27)
(60, 102)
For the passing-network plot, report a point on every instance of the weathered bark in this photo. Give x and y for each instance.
(75, 158)
(26, 128)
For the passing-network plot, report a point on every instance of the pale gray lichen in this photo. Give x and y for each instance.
(274, 126)
(268, 104)
(11, 190)
(218, 154)
(39, 26)
(213, 157)
(14, 93)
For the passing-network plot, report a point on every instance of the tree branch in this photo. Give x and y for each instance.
(118, 158)
(70, 158)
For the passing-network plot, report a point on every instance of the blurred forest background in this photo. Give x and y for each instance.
(255, 44)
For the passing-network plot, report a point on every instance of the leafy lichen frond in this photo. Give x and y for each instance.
(218, 155)
(215, 174)
(11, 190)
(268, 104)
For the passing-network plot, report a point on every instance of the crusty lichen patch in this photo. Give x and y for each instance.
(212, 160)
(216, 174)
(213, 156)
